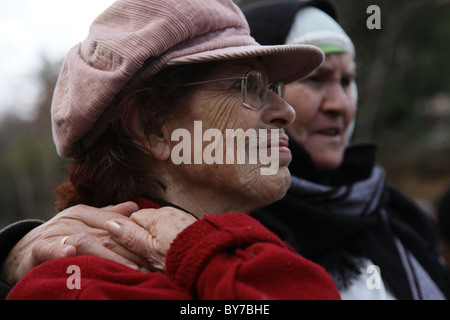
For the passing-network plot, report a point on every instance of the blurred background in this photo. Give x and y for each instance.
(403, 81)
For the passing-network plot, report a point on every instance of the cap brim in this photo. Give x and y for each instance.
(283, 63)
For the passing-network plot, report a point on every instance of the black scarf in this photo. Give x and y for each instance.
(340, 219)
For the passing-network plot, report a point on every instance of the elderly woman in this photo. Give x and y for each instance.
(149, 69)
(339, 212)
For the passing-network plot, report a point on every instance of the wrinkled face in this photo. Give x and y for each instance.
(325, 106)
(216, 112)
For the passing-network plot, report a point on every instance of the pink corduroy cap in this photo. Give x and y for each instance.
(137, 38)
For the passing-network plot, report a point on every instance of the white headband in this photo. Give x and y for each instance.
(313, 26)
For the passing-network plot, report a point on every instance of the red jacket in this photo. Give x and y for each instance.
(229, 256)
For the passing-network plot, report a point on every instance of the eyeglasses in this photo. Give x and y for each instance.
(254, 87)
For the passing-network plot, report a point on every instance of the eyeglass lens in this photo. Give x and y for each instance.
(256, 84)
(256, 89)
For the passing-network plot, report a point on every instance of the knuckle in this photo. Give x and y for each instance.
(170, 212)
(72, 212)
(83, 242)
(108, 242)
(131, 240)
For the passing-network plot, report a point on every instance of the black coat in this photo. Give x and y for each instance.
(339, 242)
(9, 237)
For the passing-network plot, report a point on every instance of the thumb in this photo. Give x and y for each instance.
(126, 208)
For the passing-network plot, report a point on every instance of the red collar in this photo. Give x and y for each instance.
(146, 204)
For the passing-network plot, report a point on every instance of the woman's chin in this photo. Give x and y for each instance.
(328, 162)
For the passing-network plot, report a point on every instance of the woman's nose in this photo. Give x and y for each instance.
(337, 100)
(277, 112)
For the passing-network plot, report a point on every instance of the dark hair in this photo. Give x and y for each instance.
(116, 169)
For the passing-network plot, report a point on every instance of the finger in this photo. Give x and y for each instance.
(126, 208)
(138, 240)
(44, 251)
(97, 217)
(98, 250)
(147, 218)
(102, 245)
(130, 235)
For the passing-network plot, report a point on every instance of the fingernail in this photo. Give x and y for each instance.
(113, 228)
(132, 266)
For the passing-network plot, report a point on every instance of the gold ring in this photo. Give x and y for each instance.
(63, 241)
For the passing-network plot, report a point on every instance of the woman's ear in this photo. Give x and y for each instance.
(156, 146)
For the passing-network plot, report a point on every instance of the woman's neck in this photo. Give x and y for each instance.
(201, 201)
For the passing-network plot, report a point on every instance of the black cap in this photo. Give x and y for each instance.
(270, 22)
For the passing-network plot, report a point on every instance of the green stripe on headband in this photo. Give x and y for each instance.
(328, 49)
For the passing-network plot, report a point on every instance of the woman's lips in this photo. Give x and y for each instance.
(283, 144)
(331, 132)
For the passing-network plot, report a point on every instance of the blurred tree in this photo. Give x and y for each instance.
(404, 89)
(29, 165)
